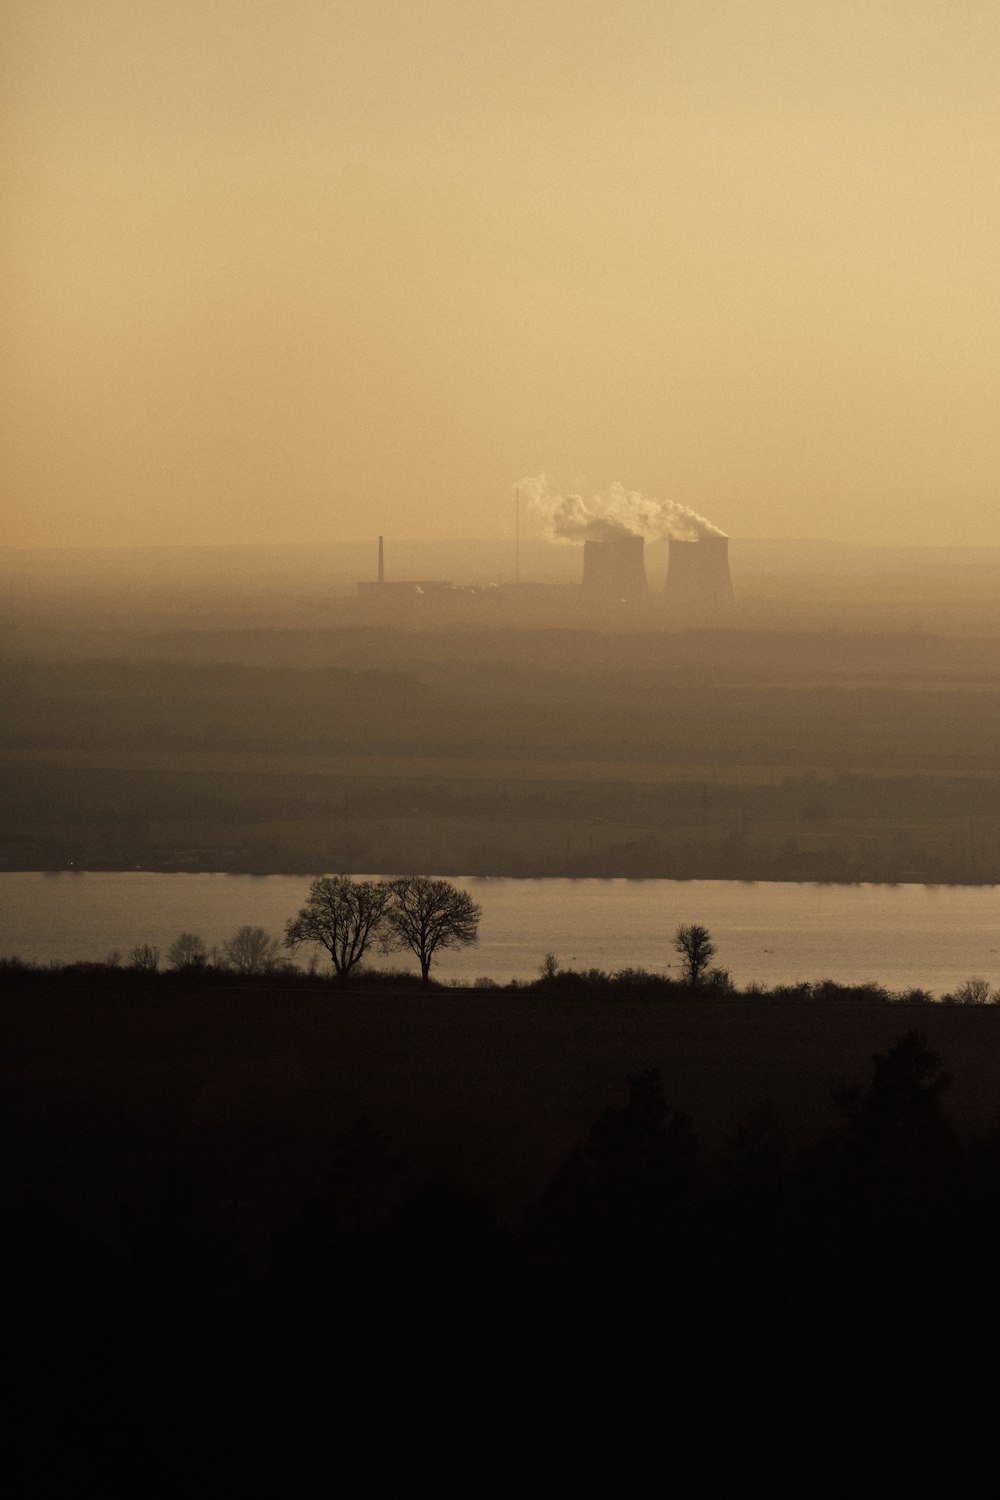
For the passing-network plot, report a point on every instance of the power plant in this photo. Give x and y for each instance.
(698, 574)
(613, 587)
(615, 567)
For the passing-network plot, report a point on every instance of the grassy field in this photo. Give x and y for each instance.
(703, 755)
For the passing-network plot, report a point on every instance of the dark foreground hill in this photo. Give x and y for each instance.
(489, 1087)
(270, 1241)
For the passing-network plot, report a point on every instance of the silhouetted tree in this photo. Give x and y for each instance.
(251, 950)
(622, 1182)
(899, 1117)
(976, 991)
(342, 915)
(145, 957)
(187, 951)
(427, 914)
(694, 945)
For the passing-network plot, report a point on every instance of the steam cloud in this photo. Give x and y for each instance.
(615, 512)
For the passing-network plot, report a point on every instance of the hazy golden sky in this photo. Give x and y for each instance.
(320, 268)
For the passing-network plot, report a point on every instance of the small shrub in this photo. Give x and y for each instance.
(596, 978)
(187, 951)
(974, 991)
(800, 991)
(875, 993)
(636, 978)
(372, 978)
(145, 958)
(252, 951)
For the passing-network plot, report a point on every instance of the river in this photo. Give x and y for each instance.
(903, 935)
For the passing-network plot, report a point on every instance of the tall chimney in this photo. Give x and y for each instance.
(615, 567)
(381, 562)
(698, 573)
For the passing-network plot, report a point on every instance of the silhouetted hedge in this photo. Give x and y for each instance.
(562, 984)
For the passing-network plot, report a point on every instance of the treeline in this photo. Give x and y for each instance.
(932, 829)
(144, 972)
(660, 1308)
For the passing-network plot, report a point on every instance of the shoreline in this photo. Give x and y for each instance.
(310, 873)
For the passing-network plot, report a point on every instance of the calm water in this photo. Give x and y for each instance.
(933, 936)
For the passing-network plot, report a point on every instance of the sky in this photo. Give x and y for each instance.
(309, 271)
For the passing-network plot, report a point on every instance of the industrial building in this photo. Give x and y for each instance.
(615, 567)
(613, 584)
(698, 573)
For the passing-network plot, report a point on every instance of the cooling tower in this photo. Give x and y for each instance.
(698, 573)
(615, 568)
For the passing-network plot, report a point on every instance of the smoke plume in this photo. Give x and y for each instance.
(615, 512)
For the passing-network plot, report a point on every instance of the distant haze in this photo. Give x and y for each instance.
(308, 273)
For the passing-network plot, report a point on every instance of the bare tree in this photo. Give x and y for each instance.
(344, 916)
(549, 967)
(976, 991)
(187, 951)
(145, 957)
(251, 950)
(694, 945)
(427, 914)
